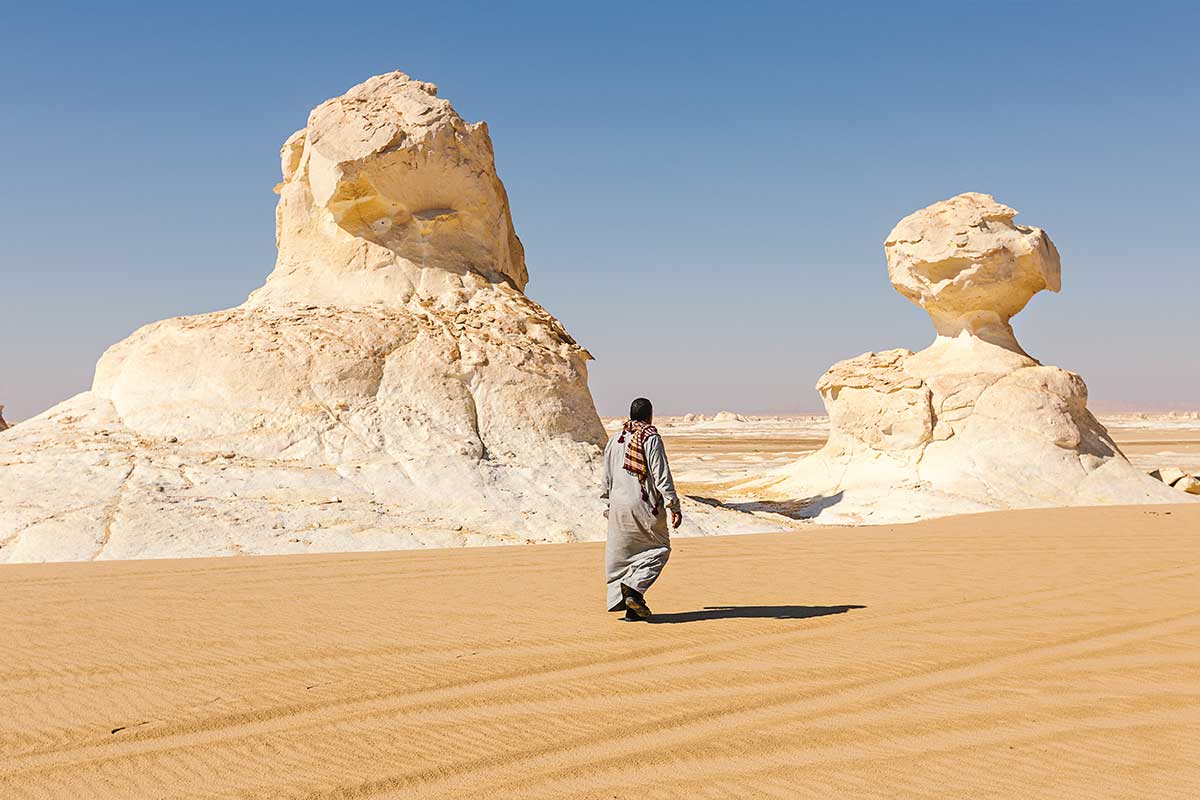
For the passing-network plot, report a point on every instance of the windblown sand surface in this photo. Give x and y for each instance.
(1018, 654)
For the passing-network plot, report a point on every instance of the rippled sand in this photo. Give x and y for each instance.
(1048, 653)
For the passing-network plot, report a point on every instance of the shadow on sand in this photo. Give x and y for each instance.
(805, 508)
(750, 612)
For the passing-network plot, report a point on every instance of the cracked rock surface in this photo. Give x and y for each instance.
(971, 423)
(390, 385)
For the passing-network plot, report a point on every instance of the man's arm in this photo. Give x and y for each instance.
(660, 474)
(607, 473)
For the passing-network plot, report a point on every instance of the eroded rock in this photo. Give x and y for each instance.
(391, 362)
(972, 422)
(970, 266)
(1168, 475)
(1188, 483)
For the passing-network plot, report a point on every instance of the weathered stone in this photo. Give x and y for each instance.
(1168, 475)
(966, 263)
(391, 362)
(1188, 483)
(972, 422)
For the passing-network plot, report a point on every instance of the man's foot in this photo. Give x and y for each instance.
(635, 604)
(630, 616)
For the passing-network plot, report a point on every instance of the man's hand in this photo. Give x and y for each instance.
(676, 519)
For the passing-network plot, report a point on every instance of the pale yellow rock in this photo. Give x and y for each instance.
(970, 266)
(388, 193)
(393, 325)
(391, 361)
(972, 422)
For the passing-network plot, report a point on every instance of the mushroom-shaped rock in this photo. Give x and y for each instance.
(972, 422)
(970, 266)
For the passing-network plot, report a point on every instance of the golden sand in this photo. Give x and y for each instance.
(1017, 654)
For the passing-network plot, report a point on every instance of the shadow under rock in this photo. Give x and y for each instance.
(751, 612)
(805, 508)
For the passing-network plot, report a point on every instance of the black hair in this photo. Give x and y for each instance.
(641, 410)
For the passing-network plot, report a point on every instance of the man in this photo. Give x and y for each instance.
(639, 488)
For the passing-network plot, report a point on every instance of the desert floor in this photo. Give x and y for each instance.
(1017, 654)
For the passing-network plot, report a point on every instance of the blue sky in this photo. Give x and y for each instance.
(722, 177)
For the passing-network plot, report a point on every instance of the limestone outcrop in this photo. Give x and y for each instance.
(970, 266)
(1177, 479)
(1188, 483)
(1168, 475)
(972, 422)
(389, 386)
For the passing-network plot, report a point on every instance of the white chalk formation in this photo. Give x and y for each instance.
(390, 386)
(971, 423)
(3, 425)
(1177, 479)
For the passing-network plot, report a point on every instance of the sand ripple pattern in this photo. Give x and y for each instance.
(1019, 654)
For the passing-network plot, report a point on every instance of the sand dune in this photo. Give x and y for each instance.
(1017, 654)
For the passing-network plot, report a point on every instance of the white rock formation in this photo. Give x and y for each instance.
(1168, 475)
(972, 422)
(3, 425)
(389, 386)
(970, 267)
(1188, 483)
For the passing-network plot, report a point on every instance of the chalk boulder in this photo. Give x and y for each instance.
(1168, 475)
(972, 422)
(389, 386)
(970, 266)
(1188, 483)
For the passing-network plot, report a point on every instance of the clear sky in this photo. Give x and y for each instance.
(703, 190)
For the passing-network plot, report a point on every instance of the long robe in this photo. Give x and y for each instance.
(639, 542)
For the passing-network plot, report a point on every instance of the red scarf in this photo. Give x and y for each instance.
(635, 456)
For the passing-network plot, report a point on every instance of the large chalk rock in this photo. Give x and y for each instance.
(970, 267)
(972, 422)
(3, 425)
(1188, 483)
(1168, 475)
(389, 386)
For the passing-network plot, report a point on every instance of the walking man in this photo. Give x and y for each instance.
(640, 490)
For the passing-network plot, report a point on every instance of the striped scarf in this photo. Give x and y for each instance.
(635, 456)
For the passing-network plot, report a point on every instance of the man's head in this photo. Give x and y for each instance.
(641, 410)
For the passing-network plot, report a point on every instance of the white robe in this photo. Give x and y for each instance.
(639, 542)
